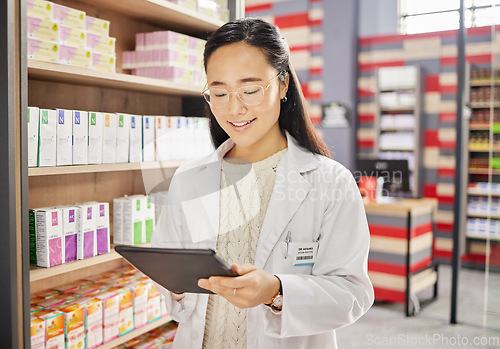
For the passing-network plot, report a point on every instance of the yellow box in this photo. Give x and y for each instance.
(42, 29)
(101, 44)
(68, 16)
(75, 56)
(126, 315)
(37, 333)
(42, 50)
(74, 328)
(54, 327)
(105, 63)
(154, 312)
(71, 36)
(40, 9)
(93, 321)
(97, 25)
(111, 311)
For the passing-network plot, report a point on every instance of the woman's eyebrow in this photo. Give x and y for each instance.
(244, 80)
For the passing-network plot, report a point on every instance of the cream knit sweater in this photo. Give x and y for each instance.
(245, 193)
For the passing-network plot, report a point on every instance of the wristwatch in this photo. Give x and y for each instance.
(277, 301)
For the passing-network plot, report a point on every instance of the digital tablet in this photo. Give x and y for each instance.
(178, 270)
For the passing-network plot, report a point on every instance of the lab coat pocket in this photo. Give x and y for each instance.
(284, 261)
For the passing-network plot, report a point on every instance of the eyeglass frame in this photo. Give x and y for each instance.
(283, 72)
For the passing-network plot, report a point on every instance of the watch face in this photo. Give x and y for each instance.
(278, 301)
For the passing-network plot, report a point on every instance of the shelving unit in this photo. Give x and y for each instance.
(59, 86)
(397, 118)
(483, 130)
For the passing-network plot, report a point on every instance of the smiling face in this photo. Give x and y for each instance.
(254, 129)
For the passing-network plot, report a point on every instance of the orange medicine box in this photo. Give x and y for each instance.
(74, 328)
(154, 312)
(110, 316)
(93, 321)
(126, 309)
(140, 302)
(37, 333)
(54, 327)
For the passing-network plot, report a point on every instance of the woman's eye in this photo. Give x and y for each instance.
(251, 92)
(219, 95)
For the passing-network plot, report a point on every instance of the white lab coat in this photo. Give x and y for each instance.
(316, 199)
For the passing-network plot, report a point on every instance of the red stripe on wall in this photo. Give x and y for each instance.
(451, 89)
(447, 117)
(432, 83)
(366, 118)
(442, 254)
(447, 145)
(477, 59)
(315, 96)
(316, 71)
(397, 269)
(316, 47)
(446, 200)
(373, 66)
(316, 120)
(299, 48)
(316, 23)
(365, 93)
(430, 190)
(399, 232)
(445, 227)
(315, 0)
(431, 138)
(446, 172)
(448, 61)
(395, 38)
(368, 144)
(258, 8)
(383, 294)
(295, 20)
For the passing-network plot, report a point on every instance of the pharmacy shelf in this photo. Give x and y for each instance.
(482, 193)
(484, 82)
(395, 149)
(480, 127)
(494, 148)
(47, 171)
(479, 215)
(162, 12)
(39, 273)
(482, 105)
(396, 109)
(484, 171)
(482, 237)
(397, 129)
(80, 76)
(135, 333)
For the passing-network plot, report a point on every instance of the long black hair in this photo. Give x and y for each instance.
(293, 114)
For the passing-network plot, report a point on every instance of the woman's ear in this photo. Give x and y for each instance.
(284, 85)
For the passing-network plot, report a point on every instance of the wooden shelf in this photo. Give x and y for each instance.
(486, 150)
(395, 109)
(480, 127)
(484, 105)
(476, 193)
(482, 237)
(39, 273)
(478, 215)
(163, 13)
(48, 171)
(135, 333)
(79, 76)
(484, 82)
(484, 171)
(397, 129)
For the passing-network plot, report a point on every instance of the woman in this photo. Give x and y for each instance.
(271, 201)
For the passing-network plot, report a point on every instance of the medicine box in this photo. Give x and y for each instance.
(109, 139)
(102, 62)
(133, 231)
(42, 29)
(80, 137)
(42, 50)
(37, 333)
(126, 309)
(96, 129)
(97, 26)
(39, 8)
(69, 287)
(161, 138)
(140, 302)
(75, 56)
(101, 44)
(118, 220)
(69, 16)
(47, 151)
(102, 228)
(33, 119)
(111, 310)
(86, 231)
(148, 217)
(49, 236)
(148, 138)
(123, 138)
(74, 328)
(70, 216)
(64, 137)
(154, 312)
(54, 327)
(135, 151)
(71, 36)
(93, 321)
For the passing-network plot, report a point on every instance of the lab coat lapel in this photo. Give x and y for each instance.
(290, 190)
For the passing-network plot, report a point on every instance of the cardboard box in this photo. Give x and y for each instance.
(118, 220)
(123, 138)
(32, 235)
(109, 139)
(86, 231)
(41, 50)
(71, 36)
(126, 309)
(133, 231)
(101, 44)
(37, 333)
(111, 310)
(49, 235)
(69, 16)
(70, 216)
(102, 228)
(135, 151)
(40, 9)
(42, 29)
(140, 302)
(64, 134)
(75, 56)
(102, 62)
(148, 216)
(154, 312)
(148, 138)
(54, 327)
(96, 129)
(80, 137)
(47, 151)
(74, 325)
(161, 137)
(97, 26)
(93, 321)
(33, 120)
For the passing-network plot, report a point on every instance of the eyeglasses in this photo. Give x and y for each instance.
(249, 94)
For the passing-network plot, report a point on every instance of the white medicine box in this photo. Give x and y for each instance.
(64, 137)
(33, 119)
(96, 128)
(80, 137)
(47, 149)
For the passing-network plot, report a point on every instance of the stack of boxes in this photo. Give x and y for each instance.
(211, 8)
(88, 313)
(59, 34)
(63, 234)
(133, 220)
(167, 55)
(62, 137)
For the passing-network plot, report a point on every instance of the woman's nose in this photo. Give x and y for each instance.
(235, 105)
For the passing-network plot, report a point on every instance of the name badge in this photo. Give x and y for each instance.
(304, 253)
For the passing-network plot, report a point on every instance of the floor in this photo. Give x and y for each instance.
(386, 326)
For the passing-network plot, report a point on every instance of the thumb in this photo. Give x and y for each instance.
(243, 269)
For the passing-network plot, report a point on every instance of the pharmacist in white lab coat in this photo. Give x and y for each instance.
(270, 200)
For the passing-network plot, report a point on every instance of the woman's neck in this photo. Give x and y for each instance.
(259, 151)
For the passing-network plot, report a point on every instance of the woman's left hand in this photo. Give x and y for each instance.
(252, 287)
